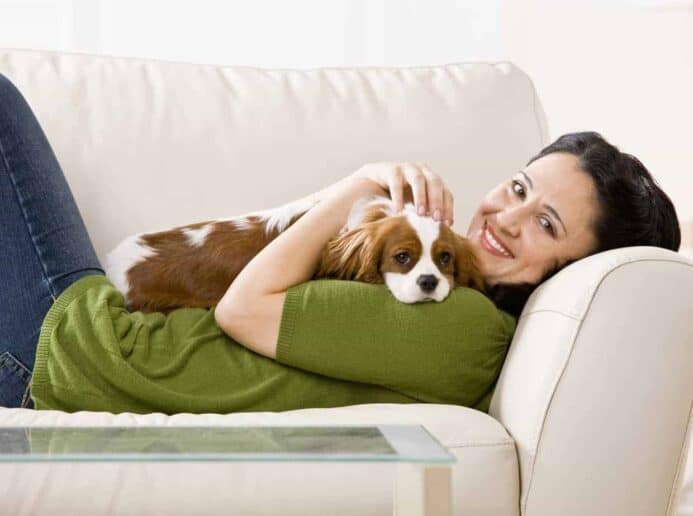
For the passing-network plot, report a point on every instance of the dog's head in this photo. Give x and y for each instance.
(418, 258)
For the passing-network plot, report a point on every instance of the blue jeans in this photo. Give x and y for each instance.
(44, 244)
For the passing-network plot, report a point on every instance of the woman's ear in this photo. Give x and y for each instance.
(353, 255)
(467, 271)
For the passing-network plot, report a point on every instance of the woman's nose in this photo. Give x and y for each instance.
(510, 219)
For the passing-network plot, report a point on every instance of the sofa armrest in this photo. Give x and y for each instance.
(597, 387)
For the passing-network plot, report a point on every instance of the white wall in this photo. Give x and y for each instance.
(623, 68)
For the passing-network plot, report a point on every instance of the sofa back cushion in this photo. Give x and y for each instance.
(147, 145)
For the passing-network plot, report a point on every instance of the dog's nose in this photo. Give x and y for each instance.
(427, 282)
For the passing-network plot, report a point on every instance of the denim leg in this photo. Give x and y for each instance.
(44, 244)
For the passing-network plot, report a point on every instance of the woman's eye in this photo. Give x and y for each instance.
(402, 258)
(547, 225)
(445, 258)
(519, 189)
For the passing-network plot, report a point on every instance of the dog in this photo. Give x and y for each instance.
(418, 258)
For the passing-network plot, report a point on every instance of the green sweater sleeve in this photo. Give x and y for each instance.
(449, 352)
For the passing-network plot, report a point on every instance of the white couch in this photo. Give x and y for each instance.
(593, 407)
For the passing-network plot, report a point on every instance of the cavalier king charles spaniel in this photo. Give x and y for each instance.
(418, 258)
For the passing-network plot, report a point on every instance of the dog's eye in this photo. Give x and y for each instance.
(402, 258)
(445, 258)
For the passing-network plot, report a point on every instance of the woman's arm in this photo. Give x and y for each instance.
(250, 311)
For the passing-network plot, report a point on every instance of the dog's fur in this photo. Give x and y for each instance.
(193, 265)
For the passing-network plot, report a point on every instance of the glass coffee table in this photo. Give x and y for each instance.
(422, 483)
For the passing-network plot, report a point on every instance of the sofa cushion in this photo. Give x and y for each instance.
(164, 144)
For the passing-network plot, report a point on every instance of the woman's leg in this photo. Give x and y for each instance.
(44, 245)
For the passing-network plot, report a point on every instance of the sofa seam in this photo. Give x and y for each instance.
(674, 494)
(147, 60)
(559, 312)
(523, 504)
(479, 445)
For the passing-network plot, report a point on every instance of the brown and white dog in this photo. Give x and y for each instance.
(418, 258)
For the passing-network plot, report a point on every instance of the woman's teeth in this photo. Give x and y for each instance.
(494, 243)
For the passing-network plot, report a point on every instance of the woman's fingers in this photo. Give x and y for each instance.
(449, 206)
(417, 181)
(413, 182)
(395, 183)
(434, 189)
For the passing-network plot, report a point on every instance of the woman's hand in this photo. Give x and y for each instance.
(412, 181)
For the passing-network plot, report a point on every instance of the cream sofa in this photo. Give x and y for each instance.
(593, 407)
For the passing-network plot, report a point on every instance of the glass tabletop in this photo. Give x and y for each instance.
(379, 443)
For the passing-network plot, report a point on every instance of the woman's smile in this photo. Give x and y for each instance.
(490, 242)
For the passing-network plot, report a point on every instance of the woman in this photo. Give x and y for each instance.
(579, 196)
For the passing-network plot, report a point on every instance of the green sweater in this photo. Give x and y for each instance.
(340, 343)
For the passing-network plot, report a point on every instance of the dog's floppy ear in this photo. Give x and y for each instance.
(353, 255)
(467, 271)
(368, 209)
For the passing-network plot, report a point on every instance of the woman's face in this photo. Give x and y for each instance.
(540, 218)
